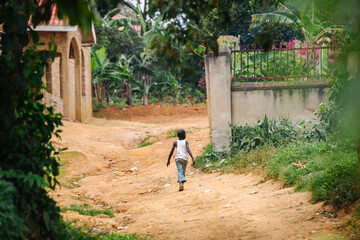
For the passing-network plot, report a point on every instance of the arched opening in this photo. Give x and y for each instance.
(74, 79)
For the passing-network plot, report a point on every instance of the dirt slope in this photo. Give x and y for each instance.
(110, 170)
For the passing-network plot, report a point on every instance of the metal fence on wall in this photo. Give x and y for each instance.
(286, 62)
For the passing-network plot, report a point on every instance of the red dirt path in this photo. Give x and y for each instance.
(106, 168)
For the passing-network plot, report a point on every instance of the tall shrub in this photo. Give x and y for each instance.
(28, 167)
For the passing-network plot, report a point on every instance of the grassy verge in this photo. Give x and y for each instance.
(171, 133)
(88, 210)
(210, 160)
(146, 144)
(330, 171)
(352, 225)
(242, 162)
(70, 231)
(66, 157)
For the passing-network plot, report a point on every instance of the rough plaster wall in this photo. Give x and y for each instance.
(297, 104)
(71, 74)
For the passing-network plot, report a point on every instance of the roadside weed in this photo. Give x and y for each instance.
(86, 209)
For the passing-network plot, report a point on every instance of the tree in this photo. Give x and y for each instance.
(307, 21)
(28, 167)
(104, 6)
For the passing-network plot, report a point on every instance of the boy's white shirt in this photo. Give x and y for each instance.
(181, 151)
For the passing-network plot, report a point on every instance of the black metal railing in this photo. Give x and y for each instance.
(286, 62)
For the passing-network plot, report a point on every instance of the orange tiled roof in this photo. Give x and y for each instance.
(56, 24)
(137, 28)
(54, 20)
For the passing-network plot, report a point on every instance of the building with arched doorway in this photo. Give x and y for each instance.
(68, 77)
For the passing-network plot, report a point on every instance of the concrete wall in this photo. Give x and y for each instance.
(295, 100)
(242, 103)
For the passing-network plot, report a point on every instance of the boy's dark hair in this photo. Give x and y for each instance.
(181, 133)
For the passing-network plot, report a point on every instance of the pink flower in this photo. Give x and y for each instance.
(317, 50)
(291, 43)
(303, 52)
(331, 60)
(317, 59)
(329, 54)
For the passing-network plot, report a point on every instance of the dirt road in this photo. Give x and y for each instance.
(104, 167)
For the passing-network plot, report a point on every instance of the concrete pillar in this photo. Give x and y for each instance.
(218, 87)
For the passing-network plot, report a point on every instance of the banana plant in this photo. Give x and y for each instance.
(308, 21)
(99, 61)
(104, 73)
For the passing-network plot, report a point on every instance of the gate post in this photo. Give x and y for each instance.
(218, 88)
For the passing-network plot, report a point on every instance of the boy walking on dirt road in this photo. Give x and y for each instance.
(181, 157)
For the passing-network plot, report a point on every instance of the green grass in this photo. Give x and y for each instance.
(67, 157)
(331, 171)
(210, 160)
(256, 160)
(171, 133)
(146, 144)
(88, 210)
(351, 225)
(70, 231)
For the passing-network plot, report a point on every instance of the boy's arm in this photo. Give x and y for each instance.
(189, 151)
(171, 153)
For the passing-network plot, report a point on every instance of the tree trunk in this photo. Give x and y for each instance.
(129, 95)
(175, 98)
(149, 84)
(93, 91)
(145, 100)
(122, 91)
(107, 92)
(97, 90)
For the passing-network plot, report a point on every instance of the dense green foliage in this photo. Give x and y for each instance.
(255, 160)
(145, 74)
(235, 18)
(28, 166)
(329, 171)
(309, 158)
(210, 160)
(267, 131)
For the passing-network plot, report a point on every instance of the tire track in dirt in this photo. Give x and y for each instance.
(135, 182)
